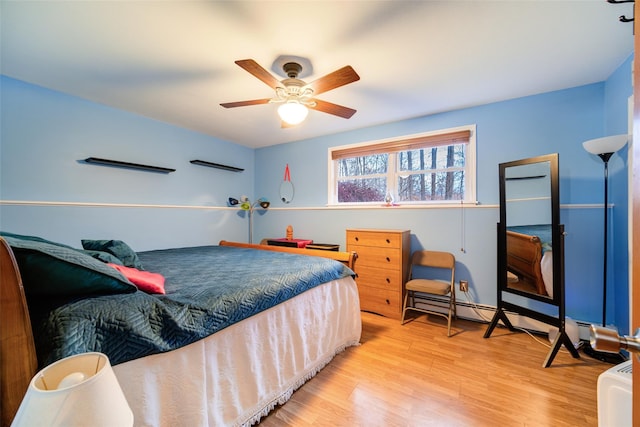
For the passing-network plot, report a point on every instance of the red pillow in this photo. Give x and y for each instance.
(151, 283)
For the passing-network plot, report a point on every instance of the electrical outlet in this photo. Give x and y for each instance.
(464, 286)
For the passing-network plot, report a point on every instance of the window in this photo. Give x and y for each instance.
(425, 168)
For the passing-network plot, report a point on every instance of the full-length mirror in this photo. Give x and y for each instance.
(531, 247)
(529, 202)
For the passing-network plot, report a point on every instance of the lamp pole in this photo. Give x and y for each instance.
(604, 148)
(605, 158)
(251, 225)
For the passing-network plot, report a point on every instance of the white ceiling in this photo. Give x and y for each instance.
(173, 60)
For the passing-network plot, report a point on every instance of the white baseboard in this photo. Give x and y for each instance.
(583, 328)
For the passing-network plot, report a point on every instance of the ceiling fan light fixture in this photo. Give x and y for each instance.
(295, 95)
(292, 112)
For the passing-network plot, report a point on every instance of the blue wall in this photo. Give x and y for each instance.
(520, 128)
(45, 190)
(46, 133)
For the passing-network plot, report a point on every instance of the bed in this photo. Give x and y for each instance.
(530, 258)
(238, 329)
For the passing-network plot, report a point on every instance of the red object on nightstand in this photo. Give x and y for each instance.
(293, 243)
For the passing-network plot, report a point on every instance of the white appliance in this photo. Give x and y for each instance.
(614, 396)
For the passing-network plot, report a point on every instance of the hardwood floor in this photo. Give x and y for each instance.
(413, 375)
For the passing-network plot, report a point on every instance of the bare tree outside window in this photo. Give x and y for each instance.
(435, 172)
(363, 179)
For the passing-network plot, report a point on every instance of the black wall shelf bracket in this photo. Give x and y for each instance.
(216, 165)
(127, 165)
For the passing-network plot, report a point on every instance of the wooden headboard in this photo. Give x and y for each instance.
(18, 361)
(524, 254)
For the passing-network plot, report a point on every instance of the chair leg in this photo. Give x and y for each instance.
(454, 307)
(452, 300)
(452, 311)
(404, 307)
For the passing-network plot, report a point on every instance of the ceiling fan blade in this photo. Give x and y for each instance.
(335, 109)
(259, 72)
(341, 77)
(245, 103)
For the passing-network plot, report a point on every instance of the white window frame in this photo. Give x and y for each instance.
(392, 173)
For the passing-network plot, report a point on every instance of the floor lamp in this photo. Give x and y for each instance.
(605, 148)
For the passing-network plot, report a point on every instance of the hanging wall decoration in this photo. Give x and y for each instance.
(286, 188)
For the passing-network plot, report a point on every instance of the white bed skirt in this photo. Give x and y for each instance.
(239, 374)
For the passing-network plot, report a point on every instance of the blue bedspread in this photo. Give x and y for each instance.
(207, 289)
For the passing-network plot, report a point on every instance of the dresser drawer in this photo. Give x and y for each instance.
(370, 256)
(384, 302)
(373, 238)
(379, 278)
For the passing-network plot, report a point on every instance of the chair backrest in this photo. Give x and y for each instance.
(435, 259)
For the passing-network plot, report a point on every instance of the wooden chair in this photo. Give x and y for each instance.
(432, 286)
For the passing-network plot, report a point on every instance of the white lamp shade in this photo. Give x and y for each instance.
(293, 112)
(80, 390)
(607, 144)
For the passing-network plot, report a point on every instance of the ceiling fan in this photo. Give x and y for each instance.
(296, 96)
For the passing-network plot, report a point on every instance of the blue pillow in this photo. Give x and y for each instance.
(117, 248)
(49, 269)
(103, 256)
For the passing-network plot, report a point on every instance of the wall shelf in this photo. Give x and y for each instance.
(216, 165)
(127, 165)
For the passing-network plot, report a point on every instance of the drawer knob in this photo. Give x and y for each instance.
(388, 259)
(388, 280)
(357, 238)
(388, 241)
(388, 302)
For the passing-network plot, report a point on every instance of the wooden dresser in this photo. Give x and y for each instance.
(381, 267)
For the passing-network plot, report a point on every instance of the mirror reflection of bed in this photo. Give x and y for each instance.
(530, 259)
